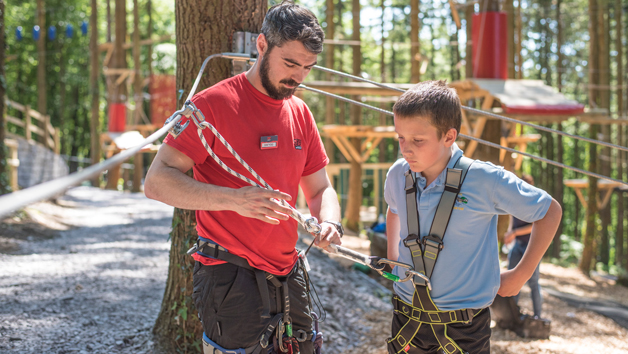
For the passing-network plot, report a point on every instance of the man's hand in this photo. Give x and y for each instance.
(262, 204)
(329, 234)
(511, 283)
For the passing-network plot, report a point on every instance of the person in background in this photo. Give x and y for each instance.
(519, 233)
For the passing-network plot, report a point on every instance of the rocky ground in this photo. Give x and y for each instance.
(86, 274)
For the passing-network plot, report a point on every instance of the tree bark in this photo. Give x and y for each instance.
(355, 174)
(95, 90)
(203, 27)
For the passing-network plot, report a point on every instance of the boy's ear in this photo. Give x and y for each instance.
(450, 137)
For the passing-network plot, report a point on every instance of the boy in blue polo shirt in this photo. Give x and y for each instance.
(442, 219)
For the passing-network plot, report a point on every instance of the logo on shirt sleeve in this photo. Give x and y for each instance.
(297, 144)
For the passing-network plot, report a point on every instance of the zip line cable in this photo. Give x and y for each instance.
(358, 103)
(20, 199)
(466, 108)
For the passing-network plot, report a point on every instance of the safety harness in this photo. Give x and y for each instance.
(280, 323)
(425, 251)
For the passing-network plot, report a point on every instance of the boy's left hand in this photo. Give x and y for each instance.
(511, 283)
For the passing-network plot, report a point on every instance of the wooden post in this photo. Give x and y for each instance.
(27, 123)
(330, 103)
(47, 124)
(354, 201)
(41, 65)
(94, 89)
(57, 140)
(138, 160)
(415, 46)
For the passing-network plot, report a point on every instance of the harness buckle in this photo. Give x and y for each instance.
(411, 238)
(432, 241)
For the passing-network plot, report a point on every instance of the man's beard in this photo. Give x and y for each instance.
(274, 92)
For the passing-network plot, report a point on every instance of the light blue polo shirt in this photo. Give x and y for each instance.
(466, 274)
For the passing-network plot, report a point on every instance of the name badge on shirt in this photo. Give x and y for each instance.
(269, 142)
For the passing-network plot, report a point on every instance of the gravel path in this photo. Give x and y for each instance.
(97, 286)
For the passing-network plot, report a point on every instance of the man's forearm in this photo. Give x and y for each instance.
(324, 205)
(175, 188)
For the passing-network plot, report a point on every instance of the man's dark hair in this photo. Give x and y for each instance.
(433, 100)
(289, 22)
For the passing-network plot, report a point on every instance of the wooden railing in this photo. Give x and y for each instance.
(49, 134)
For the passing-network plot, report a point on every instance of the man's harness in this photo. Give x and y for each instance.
(424, 253)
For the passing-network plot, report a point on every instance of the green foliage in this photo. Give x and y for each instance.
(4, 176)
(68, 63)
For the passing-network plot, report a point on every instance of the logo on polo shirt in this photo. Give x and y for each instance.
(461, 201)
(297, 144)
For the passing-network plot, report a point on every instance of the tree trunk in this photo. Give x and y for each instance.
(42, 105)
(559, 191)
(605, 102)
(138, 159)
(382, 72)
(355, 174)
(509, 8)
(95, 91)
(415, 46)
(204, 27)
(588, 252)
(4, 181)
(117, 93)
(468, 55)
(619, 238)
(330, 103)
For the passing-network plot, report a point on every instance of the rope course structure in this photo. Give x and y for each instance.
(20, 199)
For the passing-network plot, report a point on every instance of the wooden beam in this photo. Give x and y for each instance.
(454, 14)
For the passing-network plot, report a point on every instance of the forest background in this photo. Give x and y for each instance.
(555, 48)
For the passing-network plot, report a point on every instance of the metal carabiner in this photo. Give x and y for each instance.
(378, 264)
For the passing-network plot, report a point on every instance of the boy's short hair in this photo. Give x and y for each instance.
(290, 22)
(434, 100)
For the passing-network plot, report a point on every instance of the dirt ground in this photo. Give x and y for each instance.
(87, 274)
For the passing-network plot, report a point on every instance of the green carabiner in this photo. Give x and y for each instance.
(390, 276)
(289, 329)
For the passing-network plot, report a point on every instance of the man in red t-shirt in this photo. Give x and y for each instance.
(240, 301)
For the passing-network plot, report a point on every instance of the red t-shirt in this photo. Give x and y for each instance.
(243, 115)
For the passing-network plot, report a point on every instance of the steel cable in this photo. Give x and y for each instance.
(592, 174)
